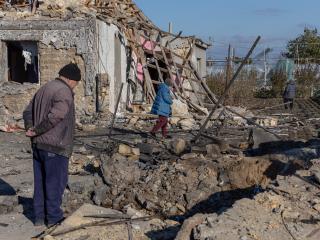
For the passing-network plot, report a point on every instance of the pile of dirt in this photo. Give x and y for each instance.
(171, 179)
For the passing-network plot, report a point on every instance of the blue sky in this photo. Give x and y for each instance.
(236, 21)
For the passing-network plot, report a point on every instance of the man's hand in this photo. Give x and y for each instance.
(31, 133)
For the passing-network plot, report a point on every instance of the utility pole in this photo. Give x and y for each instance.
(170, 27)
(233, 58)
(298, 57)
(228, 70)
(265, 68)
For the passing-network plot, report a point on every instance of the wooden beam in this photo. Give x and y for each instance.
(221, 99)
(211, 96)
(116, 109)
(169, 70)
(147, 76)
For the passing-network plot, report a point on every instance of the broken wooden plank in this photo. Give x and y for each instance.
(170, 73)
(221, 99)
(147, 76)
(116, 109)
(211, 96)
(100, 223)
(110, 216)
(180, 79)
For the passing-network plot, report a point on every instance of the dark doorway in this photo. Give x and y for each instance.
(23, 64)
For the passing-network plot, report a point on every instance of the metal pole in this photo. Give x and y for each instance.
(98, 80)
(116, 109)
(265, 68)
(228, 70)
(221, 99)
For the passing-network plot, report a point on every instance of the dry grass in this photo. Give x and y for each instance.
(243, 89)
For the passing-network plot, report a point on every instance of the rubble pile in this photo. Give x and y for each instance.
(150, 47)
(289, 208)
(251, 174)
(177, 179)
(216, 187)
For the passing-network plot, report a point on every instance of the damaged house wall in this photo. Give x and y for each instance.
(89, 43)
(78, 34)
(110, 51)
(59, 43)
(198, 58)
(112, 62)
(199, 53)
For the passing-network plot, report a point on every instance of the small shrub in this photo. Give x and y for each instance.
(265, 93)
(278, 81)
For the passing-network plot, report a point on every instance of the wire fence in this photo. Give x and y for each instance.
(263, 62)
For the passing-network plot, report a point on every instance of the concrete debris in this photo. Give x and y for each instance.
(218, 177)
(188, 225)
(179, 146)
(267, 121)
(179, 109)
(317, 176)
(11, 109)
(187, 124)
(127, 172)
(127, 151)
(259, 136)
(213, 151)
(174, 121)
(48, 237)
(265, 217)
(189, 156)
(251, 174)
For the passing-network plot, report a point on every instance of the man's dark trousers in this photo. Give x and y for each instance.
(50, 180)
(288, 103)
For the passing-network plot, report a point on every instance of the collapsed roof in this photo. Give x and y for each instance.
(144, 38)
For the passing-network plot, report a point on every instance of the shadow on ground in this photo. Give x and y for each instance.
(27, 204)
(6, 189)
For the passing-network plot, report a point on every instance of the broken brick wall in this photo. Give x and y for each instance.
(59, 43)
(52, 60)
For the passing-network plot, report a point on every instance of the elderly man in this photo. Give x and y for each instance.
(50, 122)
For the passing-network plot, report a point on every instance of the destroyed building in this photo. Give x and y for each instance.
(112, 42)
(235, 173)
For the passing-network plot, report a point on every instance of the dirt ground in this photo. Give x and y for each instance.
(218, 188)
(16, 184)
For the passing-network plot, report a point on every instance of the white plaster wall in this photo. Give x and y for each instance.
(202, 54)
(106, 63)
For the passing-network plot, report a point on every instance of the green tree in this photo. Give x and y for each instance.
(306, 46)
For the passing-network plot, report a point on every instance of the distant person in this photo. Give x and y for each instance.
(289, 95)
(50, 123)
(162, 108)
